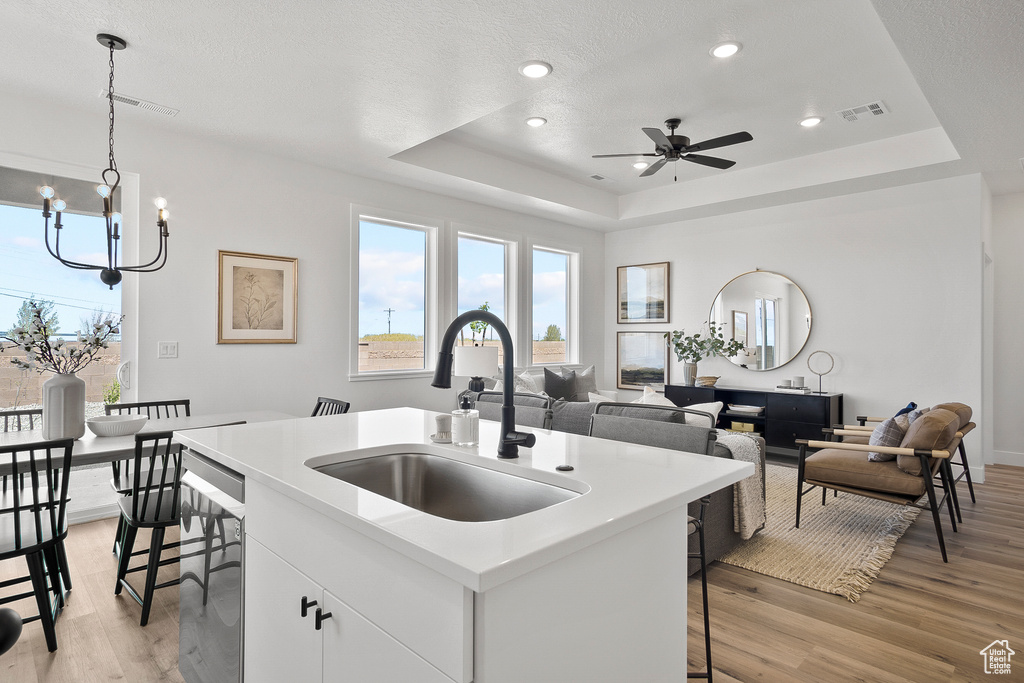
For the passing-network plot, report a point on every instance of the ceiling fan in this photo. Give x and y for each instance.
(675, 147)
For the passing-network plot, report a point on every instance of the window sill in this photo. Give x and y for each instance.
(390, 374)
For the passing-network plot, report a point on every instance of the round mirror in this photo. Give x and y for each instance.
(768, 313)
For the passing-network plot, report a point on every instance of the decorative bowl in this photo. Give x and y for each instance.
(116, 425)
(707, 380)
(751, 410)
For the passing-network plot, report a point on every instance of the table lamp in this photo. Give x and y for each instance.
(475, 362)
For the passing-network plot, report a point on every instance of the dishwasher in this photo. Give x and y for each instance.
(212, 572)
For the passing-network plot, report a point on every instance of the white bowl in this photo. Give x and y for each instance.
(116, 425)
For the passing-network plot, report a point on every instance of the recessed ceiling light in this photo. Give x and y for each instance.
(641, 165)
(536, 121)
(723, 50)
(811, 121)
(535, 69)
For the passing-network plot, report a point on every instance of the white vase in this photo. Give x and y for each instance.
(689, 374)
(63, 407)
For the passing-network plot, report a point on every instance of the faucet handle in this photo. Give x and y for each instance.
(525, 439)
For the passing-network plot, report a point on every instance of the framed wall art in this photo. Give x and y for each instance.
(257, 298)
(642, 360)
(643, 293)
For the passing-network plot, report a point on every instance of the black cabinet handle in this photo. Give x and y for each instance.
(319, 618)
(306, 604)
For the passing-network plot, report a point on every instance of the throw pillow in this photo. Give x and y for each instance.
(910, 406)
(653, 397)
(904, 420)
(586, 382)
(560, 386)
(595, 398)
(498, 386)
(526, 384)
(887, 433)
(713, 408)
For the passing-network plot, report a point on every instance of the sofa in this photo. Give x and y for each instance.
(540, 411)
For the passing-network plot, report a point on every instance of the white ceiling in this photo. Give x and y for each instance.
(429, 95)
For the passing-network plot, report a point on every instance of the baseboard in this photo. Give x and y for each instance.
(1008, 458)
(92, 514)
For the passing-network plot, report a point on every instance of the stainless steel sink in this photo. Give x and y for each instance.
(448, 488)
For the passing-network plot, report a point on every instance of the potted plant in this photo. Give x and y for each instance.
(64, 393)
(691, 349)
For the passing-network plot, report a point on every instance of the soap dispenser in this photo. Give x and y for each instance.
(465, 424)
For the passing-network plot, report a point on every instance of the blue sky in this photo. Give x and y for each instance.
(27, 269)
(391, 276)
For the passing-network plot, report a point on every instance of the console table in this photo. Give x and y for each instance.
(786, 417)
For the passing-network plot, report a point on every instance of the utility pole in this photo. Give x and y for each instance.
(389, 311)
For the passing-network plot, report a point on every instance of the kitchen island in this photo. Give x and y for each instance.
(345, 583)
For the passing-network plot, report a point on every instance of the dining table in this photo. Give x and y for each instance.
(91, 449)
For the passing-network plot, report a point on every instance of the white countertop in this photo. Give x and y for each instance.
(623, 484)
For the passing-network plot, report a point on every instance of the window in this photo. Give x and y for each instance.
(74, 298)
(552, 328)
(483, 284)
(395, 271)
(765, 331)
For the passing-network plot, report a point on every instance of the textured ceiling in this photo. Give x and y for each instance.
(428, 94)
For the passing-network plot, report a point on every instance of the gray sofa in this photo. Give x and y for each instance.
(574, 417)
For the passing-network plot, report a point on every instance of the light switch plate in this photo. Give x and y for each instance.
(167, 349)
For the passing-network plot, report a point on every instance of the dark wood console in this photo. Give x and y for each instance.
(785, 418)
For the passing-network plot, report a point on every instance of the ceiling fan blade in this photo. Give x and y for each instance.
(653, 168)
(641, 154)
(659, 138)
(724, 141)
(714, 162)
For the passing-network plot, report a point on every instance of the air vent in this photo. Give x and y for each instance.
(141, 104)
(864, 111)
(598, 177)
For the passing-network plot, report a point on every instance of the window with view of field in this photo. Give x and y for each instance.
(481, 286)
(550, 305)
(72, 299)
(392, 296)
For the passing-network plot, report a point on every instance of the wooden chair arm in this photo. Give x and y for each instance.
(966, 429)
(845, 431)
(865, 448)
(862, 419)
(859, 428)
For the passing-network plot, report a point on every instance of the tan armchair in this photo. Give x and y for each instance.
(909, 480)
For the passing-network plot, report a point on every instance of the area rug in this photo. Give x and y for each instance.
(839, 548)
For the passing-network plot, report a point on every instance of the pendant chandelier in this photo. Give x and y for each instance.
(110, 273)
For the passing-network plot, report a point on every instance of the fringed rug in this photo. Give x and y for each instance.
(839, 548)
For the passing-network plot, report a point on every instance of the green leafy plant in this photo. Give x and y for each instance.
(112, 393)
(479, 326)
(696, 347)
(553, 334)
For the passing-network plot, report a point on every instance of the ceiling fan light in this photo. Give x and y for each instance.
(535, 69)
(535, 121)
(640, 165)
(723, 50)
(811, 121)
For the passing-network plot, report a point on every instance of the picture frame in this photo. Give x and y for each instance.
(739, 326)
(643, 293)
(642, 360)
(257, 298)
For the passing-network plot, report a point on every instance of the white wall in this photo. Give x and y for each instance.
(893, 278)
(1008, 328)
(226, 197)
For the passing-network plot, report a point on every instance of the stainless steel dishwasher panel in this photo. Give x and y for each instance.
(212, 577)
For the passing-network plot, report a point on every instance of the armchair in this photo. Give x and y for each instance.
(921, 457)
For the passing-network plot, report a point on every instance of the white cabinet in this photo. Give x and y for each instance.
(331, 642)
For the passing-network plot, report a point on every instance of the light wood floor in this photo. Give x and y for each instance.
(921, 620)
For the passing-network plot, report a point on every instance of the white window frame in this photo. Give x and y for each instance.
(572, 300)
(436, 280)
(129, 187)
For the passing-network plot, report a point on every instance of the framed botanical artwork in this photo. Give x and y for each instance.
(643, 293)
(739, 326)
(642, 360)
(257, 298)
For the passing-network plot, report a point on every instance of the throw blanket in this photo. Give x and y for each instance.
(748, 495)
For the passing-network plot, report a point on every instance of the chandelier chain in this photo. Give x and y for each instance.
(110, 98)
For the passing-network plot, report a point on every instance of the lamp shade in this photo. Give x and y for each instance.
(475, 361)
